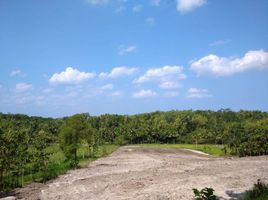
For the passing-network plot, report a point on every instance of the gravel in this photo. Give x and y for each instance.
(142, 173)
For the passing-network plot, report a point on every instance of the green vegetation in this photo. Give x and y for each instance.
(73, 132)
(258, 192)
(243, 133)
(58, 164)
(204, 194)
(216, 150)
(38, 149)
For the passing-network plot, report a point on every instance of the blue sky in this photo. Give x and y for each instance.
(60, 57)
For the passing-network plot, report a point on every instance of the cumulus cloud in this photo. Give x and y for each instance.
(144, 94)
(184, 6)
(169, 85)
(224, 66)
(116, 93)
(23, 87)
(118, 72)
(168, 77)
(97, 2)
(125, 50)
(198, 93)
(107, 87)
(17, 72)
(70, 76)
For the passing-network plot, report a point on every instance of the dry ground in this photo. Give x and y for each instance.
(153, 174)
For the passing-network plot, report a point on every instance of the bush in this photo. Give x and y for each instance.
(204, 194)
(258, 192)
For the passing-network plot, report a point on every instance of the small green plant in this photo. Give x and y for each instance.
(258, 192)
(204, 194)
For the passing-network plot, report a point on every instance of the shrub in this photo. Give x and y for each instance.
(204, 194)
(258, 192)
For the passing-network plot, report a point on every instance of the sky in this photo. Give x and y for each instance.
(61, 57)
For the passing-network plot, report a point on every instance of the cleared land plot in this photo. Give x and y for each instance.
(143, 173)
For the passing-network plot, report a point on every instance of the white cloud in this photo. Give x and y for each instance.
(224, 66)
(107, 87)
(171, 94)
(150, 21)
(117, 72)
(218, 43)
(188, 5)
(161, 72)
(98, 2)
(198, 93)
(137, 8)
(116, 93)
(169, 85)
(23, 87)
(168, 77)
(155, 2)
(70, 76)
(29, 99)
(17, 72)
(124, 50)
(47, 90)
(144, 94)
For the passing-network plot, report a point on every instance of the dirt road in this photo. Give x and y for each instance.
(156, 174)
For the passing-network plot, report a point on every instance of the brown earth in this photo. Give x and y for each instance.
(152, 174)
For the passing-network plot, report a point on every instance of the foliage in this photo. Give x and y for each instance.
(40, 155)
(258, 192)
(204, 194)
(244, 133)
(73, 131)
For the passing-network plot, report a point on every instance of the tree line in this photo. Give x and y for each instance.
(245, 133)
(26, 142)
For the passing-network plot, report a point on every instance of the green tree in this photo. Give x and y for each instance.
(92, 139)
(41, 142)
(71, 135)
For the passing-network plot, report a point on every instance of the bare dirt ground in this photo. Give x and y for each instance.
(153, 174)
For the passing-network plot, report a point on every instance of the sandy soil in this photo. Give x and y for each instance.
(153, 174)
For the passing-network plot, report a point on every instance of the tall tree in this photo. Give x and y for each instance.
(71, 135)
(41, 142)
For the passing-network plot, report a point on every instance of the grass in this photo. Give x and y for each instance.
(58, 157)
(215, 150)
(104, 150)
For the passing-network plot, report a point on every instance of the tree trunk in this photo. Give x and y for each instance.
(75, 159)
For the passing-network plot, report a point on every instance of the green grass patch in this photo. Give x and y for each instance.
(215, 150)
(103, 150)
(57, 156)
